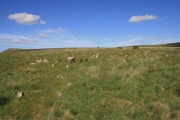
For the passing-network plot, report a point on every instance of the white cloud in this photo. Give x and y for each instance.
(141, 18)
(55, 30)
(131, 40)
(160, 40)
(20, 41)
(155, 38)
(16, 39)
(122, 41)
(42, 22)
(57, 40)
(42, 35)
(24, 18)
(165, 17)
(1, 38)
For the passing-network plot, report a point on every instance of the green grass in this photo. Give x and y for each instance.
(126, 83)
(177, 44)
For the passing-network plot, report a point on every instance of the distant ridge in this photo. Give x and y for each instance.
(173, 44)
(177, 44)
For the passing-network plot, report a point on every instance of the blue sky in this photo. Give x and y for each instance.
(33, 24)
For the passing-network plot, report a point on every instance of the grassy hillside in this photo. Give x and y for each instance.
(177, 44)
(120, 84)
(173, 44)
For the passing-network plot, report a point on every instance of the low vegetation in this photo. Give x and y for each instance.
(119, 84)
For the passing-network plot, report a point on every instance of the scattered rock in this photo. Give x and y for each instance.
(45, 61)
(61, 95)
(39, 61)
(69, 84)
(59, 76)
(71, 59)
(93, 57)
(42, 61)
(83, 59)
(145, 53)
(20, 94)
(67, 66)
(162, 89)
(52, 65)
(56, 62)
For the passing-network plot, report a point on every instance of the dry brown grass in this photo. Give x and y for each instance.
(160, 111)
(92, 71)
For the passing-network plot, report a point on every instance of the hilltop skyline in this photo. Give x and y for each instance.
(38, 24)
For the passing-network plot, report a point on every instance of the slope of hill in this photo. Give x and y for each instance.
(163, 45)
(173, 44)
(118, 84)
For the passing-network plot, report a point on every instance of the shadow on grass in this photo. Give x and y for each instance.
(4, 100)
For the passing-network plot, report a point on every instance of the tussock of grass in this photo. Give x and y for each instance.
(120, 84)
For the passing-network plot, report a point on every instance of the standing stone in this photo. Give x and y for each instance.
(67, 66)
(97, 55)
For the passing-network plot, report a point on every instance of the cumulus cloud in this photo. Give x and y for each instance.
(42, 22)
(42, 35)
(25, 18)
(141, 18)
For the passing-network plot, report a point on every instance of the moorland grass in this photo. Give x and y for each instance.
(120, 84)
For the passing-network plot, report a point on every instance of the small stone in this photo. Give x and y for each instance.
(45, 61)
(162, 89)
(59, 76)
(145, 53)
(61, 95)
(39, 61)
(67, 66)
(52, 65)
(56, 62)
(69, 84)
(71, 59)
(20, 94)
(42, 61)
(83, 60)
(93, 57)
